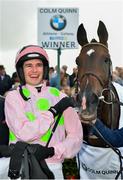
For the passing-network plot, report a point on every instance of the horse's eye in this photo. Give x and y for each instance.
(77, 61)
(107, 60)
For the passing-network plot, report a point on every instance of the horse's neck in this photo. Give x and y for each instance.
(110, 120)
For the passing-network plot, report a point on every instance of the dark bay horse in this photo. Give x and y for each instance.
(97, 95)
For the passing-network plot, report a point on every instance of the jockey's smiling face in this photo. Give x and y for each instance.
(33, 72)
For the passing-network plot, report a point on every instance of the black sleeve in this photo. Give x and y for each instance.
(4, 130)
(2, 115)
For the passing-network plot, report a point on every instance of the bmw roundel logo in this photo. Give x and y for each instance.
(58, 22)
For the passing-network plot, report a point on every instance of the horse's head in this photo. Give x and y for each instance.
(94, 71)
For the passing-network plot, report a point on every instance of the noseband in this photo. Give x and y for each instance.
(101, 97)
(92, 74)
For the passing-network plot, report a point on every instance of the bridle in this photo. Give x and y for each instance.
(102, 96)
(105, 87)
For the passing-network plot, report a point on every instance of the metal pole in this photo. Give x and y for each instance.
(58, 65)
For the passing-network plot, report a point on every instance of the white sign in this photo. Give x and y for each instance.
(57, 28)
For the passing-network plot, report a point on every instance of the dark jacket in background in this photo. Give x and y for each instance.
(4, 131)
(5, 84)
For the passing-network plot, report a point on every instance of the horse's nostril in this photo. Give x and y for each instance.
(94, 99)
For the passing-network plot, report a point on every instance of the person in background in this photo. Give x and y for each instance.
(4, 131)
(31, 117)
(64, 67)
(117, 75)
(64, 80)
(54, 81)
(51, 72)
(73, 77)
(5, 81)
(67, 90)
(15, 80)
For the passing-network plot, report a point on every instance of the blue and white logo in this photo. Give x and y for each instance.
(58, 22)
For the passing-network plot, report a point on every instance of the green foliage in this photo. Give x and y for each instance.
(70, 169)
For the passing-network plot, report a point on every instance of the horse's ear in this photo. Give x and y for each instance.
(102, 33)
(81, 35)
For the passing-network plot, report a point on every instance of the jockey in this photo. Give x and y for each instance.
(103, 163)
(31, 111)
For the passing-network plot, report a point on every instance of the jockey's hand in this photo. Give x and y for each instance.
(63, 104)
(41, 152)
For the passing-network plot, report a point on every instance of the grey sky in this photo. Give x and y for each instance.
(18, 27)
(17, 18)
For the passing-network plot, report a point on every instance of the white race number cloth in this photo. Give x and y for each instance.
(98, 163)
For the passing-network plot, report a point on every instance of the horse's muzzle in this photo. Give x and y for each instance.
(87, 105)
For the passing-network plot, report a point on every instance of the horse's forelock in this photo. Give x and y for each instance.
(93, 40)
